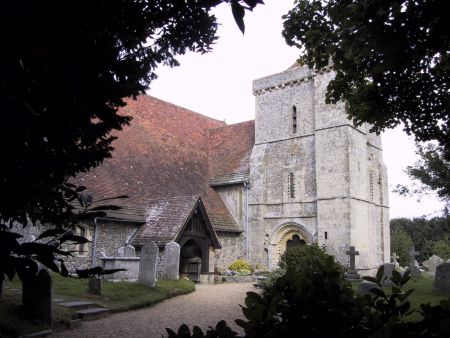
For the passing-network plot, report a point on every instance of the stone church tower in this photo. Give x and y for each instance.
(314, 176)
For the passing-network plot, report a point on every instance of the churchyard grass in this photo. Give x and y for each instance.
(116, 296)
(423, 293)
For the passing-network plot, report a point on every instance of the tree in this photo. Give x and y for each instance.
(423, 232)
(66, 68)
(401, 243)
(431, 173)
(391, 60)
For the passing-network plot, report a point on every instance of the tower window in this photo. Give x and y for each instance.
(291, 185)
(294, 119)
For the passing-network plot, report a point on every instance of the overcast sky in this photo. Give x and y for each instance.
(219, 85)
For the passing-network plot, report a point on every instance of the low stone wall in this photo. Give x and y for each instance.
(131, 264)
(219, 279)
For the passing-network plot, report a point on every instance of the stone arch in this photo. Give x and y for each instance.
(279, 238)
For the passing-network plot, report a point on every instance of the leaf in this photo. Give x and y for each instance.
(106, 207)
(380, 273)
(64, 272)
(112, 198)
(378, 292)
(238, 14)
(48, 262)
(51, 233)
(74, 238)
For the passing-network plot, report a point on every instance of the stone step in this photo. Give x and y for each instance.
(79, 304)
(93, 313)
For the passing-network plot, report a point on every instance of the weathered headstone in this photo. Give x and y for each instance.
(95, 285)
(37, 297)
(388, 268)
(148, 264)
(352, 274)
(120, 252)
(442, 279)
(171, 261)
(129, 251)
(364, 288)
(432, 263)
(415, 272)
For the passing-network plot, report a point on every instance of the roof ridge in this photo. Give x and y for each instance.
(183, 108)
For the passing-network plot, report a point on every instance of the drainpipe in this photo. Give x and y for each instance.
(94, 242)
(246, 227)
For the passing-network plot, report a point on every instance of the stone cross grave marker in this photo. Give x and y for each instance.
(352, 274)
(171, 261)
(432, 263)
(442, 279)
(37, 297)
(148, 264)
(394, 259)
(415, 272)
(129, 251)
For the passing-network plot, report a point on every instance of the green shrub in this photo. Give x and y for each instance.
(272, 277)
(312, 299)
(240, 264)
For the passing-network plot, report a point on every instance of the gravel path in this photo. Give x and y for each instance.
(205, 307)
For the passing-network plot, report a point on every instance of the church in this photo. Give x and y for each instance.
(299, 173)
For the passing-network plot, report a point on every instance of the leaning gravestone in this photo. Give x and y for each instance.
(37, 297)
(442, 279)
(129, 251)
(148, 264)
(388, 268)
(171, 261)
(432, 263)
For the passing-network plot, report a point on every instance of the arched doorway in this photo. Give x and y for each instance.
(284, 236)
(191, 260)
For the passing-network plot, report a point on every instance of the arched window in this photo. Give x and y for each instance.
(294, 119)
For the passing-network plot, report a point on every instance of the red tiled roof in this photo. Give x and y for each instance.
(169, 151)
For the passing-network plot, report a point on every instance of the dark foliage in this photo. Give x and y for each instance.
(318, 302)
(66, 69)
(391, 60)
(431, 173)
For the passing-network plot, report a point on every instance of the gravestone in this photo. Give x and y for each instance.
(37, 297)
(388, 268)
(171, 261)
(120, 252)
(129, 251)
(95, 285)
(415, 272)
(148, 264)
(442, 279)
(352, 274)
(395, 258)
(432, 263)
(365, 286)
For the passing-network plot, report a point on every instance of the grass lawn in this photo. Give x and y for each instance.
(117, 297)
(423, 293)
